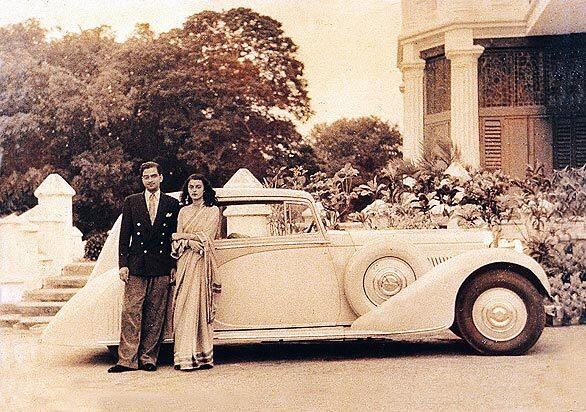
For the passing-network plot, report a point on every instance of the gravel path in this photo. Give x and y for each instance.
(432, 374)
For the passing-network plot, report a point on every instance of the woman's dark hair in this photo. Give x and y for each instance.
(209, 194)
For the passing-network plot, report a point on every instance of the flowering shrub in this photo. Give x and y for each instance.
(550, 206)
(335, 194)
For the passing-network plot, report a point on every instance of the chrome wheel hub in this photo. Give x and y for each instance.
(499, 314)
(385, 278)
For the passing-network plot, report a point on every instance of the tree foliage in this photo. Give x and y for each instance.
(368, 143)
(219, 93)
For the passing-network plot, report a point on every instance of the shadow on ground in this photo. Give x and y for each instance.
(307, 352)
(326, 351)
(335, 351)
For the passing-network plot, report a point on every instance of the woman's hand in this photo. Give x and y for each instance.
(179, 236)
(123, 273)
(195, 244)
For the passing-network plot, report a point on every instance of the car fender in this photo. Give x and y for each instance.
(429, 303)
(92, 316)
(360, 261)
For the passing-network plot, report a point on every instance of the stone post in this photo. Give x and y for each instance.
(413, 72)
(55, 221)
(463, 56)
(18, 258)
(247, 220)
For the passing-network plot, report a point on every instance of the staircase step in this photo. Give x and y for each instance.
(39, 308)
(78, 269)
(50, 295)
(7, 308)
(26, 322)
(65, 282)
(9, 319)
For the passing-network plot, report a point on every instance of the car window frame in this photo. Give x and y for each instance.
(317, 237)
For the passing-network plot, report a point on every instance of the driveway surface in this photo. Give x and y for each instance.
(433, 374)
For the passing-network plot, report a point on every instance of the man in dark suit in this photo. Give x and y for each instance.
(146, 266)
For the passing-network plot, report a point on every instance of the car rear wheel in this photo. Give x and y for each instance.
(500, 312)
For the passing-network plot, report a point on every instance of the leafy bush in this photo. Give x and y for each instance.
(94, 245)
(550, 207)
(334, 193)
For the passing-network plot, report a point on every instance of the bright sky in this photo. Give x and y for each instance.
(349, 47)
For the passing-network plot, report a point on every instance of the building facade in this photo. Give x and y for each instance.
(505, 80)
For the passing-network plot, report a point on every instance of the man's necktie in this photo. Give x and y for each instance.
(152, 207)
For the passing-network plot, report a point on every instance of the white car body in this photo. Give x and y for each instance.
(308, 286)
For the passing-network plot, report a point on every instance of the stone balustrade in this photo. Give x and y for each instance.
(39, 242)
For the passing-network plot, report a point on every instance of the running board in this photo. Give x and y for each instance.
(336, 333)
(303, 335)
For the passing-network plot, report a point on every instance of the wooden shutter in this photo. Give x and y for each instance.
(492, 132)
(562, 142)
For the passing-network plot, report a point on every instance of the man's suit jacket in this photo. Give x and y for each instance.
(144, 248)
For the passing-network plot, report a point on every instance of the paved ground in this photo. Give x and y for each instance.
(433, 374)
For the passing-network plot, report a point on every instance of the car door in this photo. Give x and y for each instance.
(275, 267)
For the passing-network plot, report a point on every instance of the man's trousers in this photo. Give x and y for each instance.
(143, 315)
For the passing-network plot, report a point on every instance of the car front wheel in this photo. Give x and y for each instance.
(500, 312)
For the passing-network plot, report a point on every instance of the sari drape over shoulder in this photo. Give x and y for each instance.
(197, 281)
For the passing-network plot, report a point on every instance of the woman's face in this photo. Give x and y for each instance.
(195, 189)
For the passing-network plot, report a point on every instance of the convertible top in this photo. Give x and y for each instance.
(225, 193)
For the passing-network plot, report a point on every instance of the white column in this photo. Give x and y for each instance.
(246, 220)
(413, 109)
(55, 220)
(464, 107)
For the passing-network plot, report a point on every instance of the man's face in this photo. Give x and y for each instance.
(151, 179)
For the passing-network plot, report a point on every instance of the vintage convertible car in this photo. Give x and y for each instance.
(285, 278)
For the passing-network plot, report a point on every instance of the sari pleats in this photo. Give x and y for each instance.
(196, 284)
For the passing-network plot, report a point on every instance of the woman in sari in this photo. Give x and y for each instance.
(196, 278)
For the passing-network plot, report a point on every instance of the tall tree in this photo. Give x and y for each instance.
(368, 143)
(217, 94)
(220, 92)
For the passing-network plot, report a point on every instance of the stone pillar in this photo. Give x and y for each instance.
(413, 106)
(463, 56)
(54, 216)
(18, 258)
(77, 246)
(246, 220)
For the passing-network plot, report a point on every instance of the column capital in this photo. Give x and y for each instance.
(471, 53)
(413, 66)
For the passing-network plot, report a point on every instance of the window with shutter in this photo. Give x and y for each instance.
(562, 143)
(580, 141)
(492, 132)
(569, 142)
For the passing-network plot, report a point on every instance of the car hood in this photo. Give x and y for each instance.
(479, 237)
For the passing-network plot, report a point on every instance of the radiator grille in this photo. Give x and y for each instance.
(436, 260)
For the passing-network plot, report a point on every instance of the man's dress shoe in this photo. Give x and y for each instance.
(149, 367)
(119, 368)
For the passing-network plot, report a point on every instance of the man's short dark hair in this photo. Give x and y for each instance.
(149, 165)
